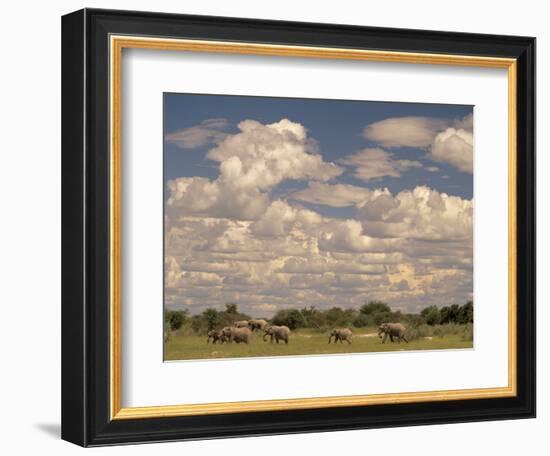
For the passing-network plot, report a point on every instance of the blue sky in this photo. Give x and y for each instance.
(272, 201)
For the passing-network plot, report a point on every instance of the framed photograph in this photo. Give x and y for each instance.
(278, 227)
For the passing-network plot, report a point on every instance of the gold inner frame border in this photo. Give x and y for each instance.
(116, 46)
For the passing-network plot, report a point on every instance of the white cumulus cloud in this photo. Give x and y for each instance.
(376, 163)
(252, 162)
(262, 156)
(447, 141)
(229, 239)
(456, 147)
(421, 213)
(404, 131)
(207, 132)
(335, 195)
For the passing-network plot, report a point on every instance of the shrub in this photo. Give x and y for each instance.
(468, 332)
(361, 321)
(412, 334)
(466, 313)
(375, 307)
(383, 317)
(425, 330)
(337, 316)
(198, 324)
(231, 308)
(414, 320)
(289, 317)
(175, 319)
(432, 315)
(211, 318)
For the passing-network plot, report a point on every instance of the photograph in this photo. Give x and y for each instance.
(276, 227)
(298, 226)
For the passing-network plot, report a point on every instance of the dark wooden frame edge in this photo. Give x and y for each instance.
(85, 217)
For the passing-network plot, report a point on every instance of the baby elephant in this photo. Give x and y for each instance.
(392, 330)
(216, 336)
(238, 335)
(341, 334)
(277, 332)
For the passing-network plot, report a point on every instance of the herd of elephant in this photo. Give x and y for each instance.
(241, 332)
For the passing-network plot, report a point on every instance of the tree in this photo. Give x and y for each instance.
(431, 315)
(231, 308)
(361, 321)
(445, 315)
(175, 319)
(466, 313)
(382, 317)
(374, 307)
(336, 316)
(211, 317)
(313, 317)
(292, 318)
(454, 311)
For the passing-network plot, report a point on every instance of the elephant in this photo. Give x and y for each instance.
(392, 330)
(341, 334)
(241, 324)
(277, 332)
(234, 334)
(216, 336)
(257, 324)
(224, 334)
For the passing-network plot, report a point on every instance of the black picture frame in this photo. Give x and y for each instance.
(85, 224)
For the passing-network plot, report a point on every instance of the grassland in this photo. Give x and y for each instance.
(302, 342)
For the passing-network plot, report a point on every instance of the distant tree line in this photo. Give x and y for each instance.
(371, 314)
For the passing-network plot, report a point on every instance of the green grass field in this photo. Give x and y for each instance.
(302, 342)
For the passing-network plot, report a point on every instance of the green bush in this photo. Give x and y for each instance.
(292, 318)
(175, 319)
(412, 334)
(466, 313)
(431, 321)
(431, 315)
(374, 307)
(361, 321)
(425, 330)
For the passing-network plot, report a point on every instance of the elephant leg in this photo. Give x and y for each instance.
(391, 338)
